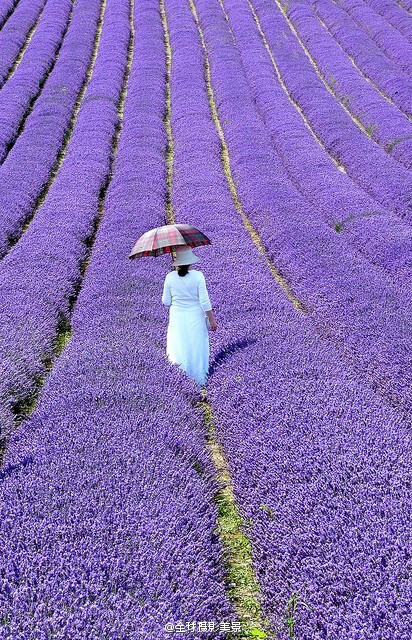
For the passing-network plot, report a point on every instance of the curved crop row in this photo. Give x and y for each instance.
(347, 296)
(379, 176)
(377, 118)
(16, 32)
(405, 4)
(7, 8)
(123, 529)
(383, 239)
(355, 64)
(322, 475)
(32, 164)
(40, 277)
(393, 44)
(19, 94)
(382, 72)
(394, 15)
(277, 392)
(241, 584)
(12, 70)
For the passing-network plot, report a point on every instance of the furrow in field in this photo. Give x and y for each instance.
(25, 46)
(384, 180)
(337, 162)
(6, 10)
(228, 173)
(18, 97)
(134, 488)
(169, 217)
(41, 278)
(308, 124)
(359, 70)
(393, 44)
(366, 55)
(345, 295)
(384, 124)
(294, 423)
(27, 176)
(382, 238)
(241, 582)
(405, 4)
(393, 13)
(16, 33)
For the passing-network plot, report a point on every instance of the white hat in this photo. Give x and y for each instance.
(184, 255)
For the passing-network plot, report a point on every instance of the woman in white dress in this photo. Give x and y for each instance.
(185, 292)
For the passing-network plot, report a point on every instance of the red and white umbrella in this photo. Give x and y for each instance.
(167, 239)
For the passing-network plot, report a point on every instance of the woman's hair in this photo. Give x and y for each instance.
(182, 269)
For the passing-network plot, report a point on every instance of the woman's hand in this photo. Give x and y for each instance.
(213, 325)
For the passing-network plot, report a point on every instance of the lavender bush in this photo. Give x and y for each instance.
(394, 14)
(392, 43)
(382, 238)
(18, 94)
(6, 10)
(310, 449)
(129, 545)
(29, 164)
(42, 273)
(15, 31)
(406, 4)
(346, 296)
(384, 73)
(379, 176)
(381, 120)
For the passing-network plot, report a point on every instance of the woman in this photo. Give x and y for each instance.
(185, 292)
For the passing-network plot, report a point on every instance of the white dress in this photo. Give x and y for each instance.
(187, 334)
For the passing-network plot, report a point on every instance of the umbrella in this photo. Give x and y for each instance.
(168, 238)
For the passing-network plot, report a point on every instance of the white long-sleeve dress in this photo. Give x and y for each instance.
(187, 334)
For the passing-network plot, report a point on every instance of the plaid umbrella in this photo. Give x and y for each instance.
(167, 239)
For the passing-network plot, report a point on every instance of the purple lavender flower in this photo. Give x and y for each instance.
(35, 154)
(384, 73)
(14, 33)
(393, 44)
(18, 94)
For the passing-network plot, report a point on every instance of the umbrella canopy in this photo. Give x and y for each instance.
(168, 238)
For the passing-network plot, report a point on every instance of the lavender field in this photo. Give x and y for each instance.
(275, 502)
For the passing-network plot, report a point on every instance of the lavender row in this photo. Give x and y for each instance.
(346, 295)
(382, 72)
(41, 274)
(322, 474)
(14, 33)
(393, 44)
(394, 15)
(406, 4)
(6, 10)
(31, 161)
(19, 93)
(310, 450)
(382, 120)
(365, 162)
(111, 490)
(383, 238)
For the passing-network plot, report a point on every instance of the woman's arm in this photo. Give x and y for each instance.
(166, 297)
(205, 302)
